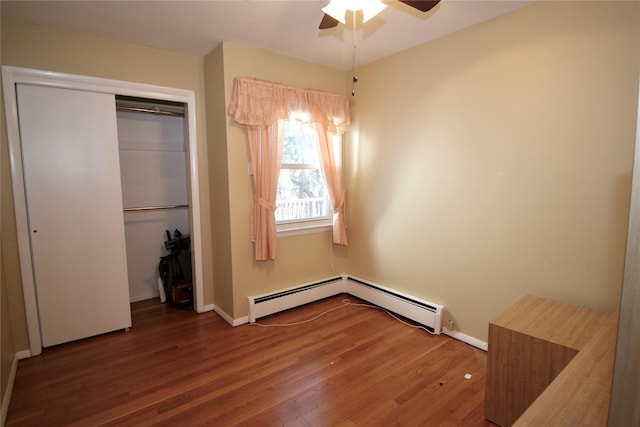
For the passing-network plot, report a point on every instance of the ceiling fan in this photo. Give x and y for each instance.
(329, 21)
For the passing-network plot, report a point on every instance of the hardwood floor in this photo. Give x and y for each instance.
(354, 366)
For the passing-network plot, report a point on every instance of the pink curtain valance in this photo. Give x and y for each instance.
(259, 103)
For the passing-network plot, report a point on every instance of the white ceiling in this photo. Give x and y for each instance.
(288, 27)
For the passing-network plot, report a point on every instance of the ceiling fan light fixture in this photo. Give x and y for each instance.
(371, 8)
(337, 9)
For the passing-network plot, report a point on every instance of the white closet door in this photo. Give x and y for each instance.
(74, 202)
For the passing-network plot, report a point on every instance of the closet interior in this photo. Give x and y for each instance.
(152, 137)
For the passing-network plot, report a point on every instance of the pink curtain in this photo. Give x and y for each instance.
(260, 106)
(265, 152)
(331, 158)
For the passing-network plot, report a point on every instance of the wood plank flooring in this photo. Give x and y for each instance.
(354, 366)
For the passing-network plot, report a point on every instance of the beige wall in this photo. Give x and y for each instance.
(301, 258)
(496, 162)
(45, 48)
(219, 169)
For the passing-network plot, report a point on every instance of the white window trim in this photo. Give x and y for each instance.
(299, 166)
(297, 228)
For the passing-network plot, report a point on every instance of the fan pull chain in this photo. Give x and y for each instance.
(355, 79)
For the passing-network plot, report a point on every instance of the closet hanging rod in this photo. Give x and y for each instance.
(149, 111)
(155, 208)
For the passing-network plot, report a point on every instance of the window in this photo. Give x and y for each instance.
(302, 201)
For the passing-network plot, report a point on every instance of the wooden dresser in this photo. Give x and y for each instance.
(580, 395)
(529, 345)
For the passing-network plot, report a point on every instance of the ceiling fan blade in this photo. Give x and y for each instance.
(421, 5)
(328, 22)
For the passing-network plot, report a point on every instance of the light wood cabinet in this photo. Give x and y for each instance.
(580, 395)
(529, 344)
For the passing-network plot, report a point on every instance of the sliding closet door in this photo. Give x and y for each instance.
(74, 202)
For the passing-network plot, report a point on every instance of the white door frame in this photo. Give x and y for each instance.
(15, 75)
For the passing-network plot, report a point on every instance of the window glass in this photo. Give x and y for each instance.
(301, 193)
(299, 145)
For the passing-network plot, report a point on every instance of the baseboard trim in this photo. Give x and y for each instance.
(206, 308)
(7, 393)
(230, 320)
(466, 339)
(24, 354)
(240, 321)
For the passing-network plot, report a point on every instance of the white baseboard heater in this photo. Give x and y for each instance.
(425, 313)
(264, 305)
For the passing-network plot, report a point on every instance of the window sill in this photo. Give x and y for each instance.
(290, 229)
